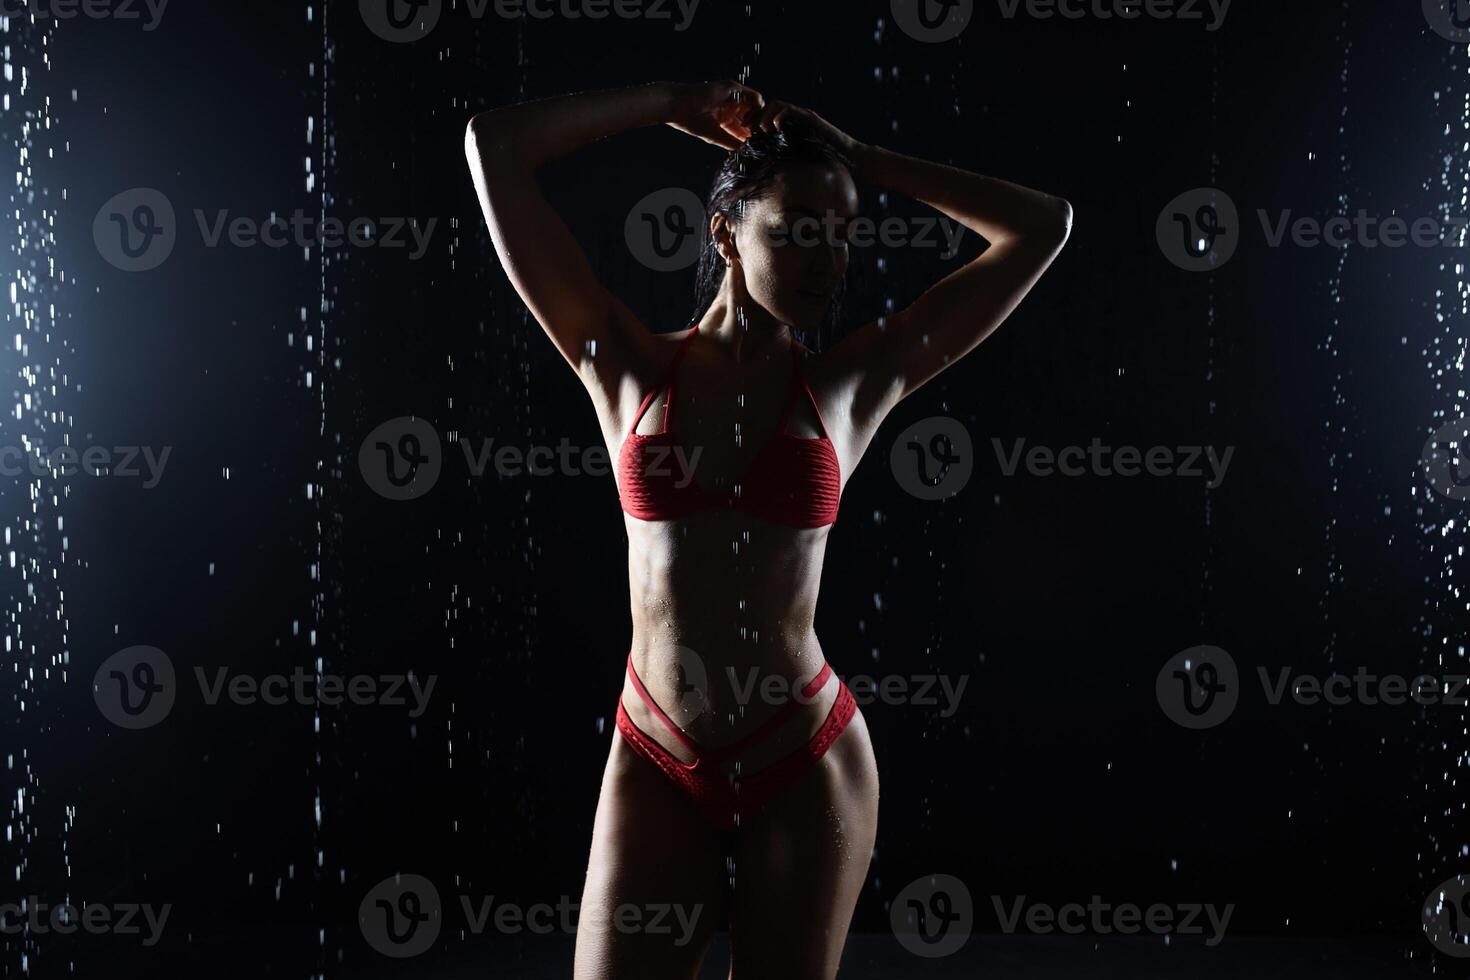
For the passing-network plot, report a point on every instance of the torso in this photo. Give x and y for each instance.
(737, 590)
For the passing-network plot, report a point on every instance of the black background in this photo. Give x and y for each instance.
(1058, 778)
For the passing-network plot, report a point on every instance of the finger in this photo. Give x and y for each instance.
(720, 136)
(737, 131)
(724, 139)
(740, 113)
(761, 121)
(743, 97)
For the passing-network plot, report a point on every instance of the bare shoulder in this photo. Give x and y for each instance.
(635, 358)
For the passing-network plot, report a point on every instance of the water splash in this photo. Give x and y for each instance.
(1442, 522)
(36, 548)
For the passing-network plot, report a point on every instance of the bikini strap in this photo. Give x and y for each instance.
(717, 755)
(666, 376)
(781, 717)
(658, 712)
(798, 380)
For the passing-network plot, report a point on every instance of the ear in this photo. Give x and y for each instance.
(722, 233)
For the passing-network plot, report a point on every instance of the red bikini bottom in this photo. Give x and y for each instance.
(718, 797)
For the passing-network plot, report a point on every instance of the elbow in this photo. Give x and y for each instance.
(487, 141)
(1058, 225)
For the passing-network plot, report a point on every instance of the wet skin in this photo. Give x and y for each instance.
(739, 592)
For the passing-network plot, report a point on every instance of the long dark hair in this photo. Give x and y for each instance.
(746, 174)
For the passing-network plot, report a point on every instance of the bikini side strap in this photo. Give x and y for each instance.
(797, 376)
(665, 377)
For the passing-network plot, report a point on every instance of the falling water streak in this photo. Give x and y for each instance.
(742, 630)
(1442, 522)
(1335, 436)
(1212, 342)
(320, 143)
(34, 547)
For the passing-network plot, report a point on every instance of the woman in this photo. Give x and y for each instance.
(742, 782)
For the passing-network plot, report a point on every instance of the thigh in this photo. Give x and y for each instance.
(800, 867)
(655, 878)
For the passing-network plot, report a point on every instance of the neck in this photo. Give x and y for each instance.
(748, 332)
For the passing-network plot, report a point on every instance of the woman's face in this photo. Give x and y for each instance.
(792, 243)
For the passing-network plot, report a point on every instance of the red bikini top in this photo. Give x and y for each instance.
(792, 480)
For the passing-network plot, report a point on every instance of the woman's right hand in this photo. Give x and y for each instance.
(714, 111)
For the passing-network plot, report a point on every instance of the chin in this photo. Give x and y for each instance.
(805, 316)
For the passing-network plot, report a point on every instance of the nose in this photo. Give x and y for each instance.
(827, 262)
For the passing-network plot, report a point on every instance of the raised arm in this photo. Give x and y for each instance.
(1026, 230)
(885, 361)
(505, 147)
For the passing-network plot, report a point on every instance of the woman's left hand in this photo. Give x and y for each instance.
(776, 114)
